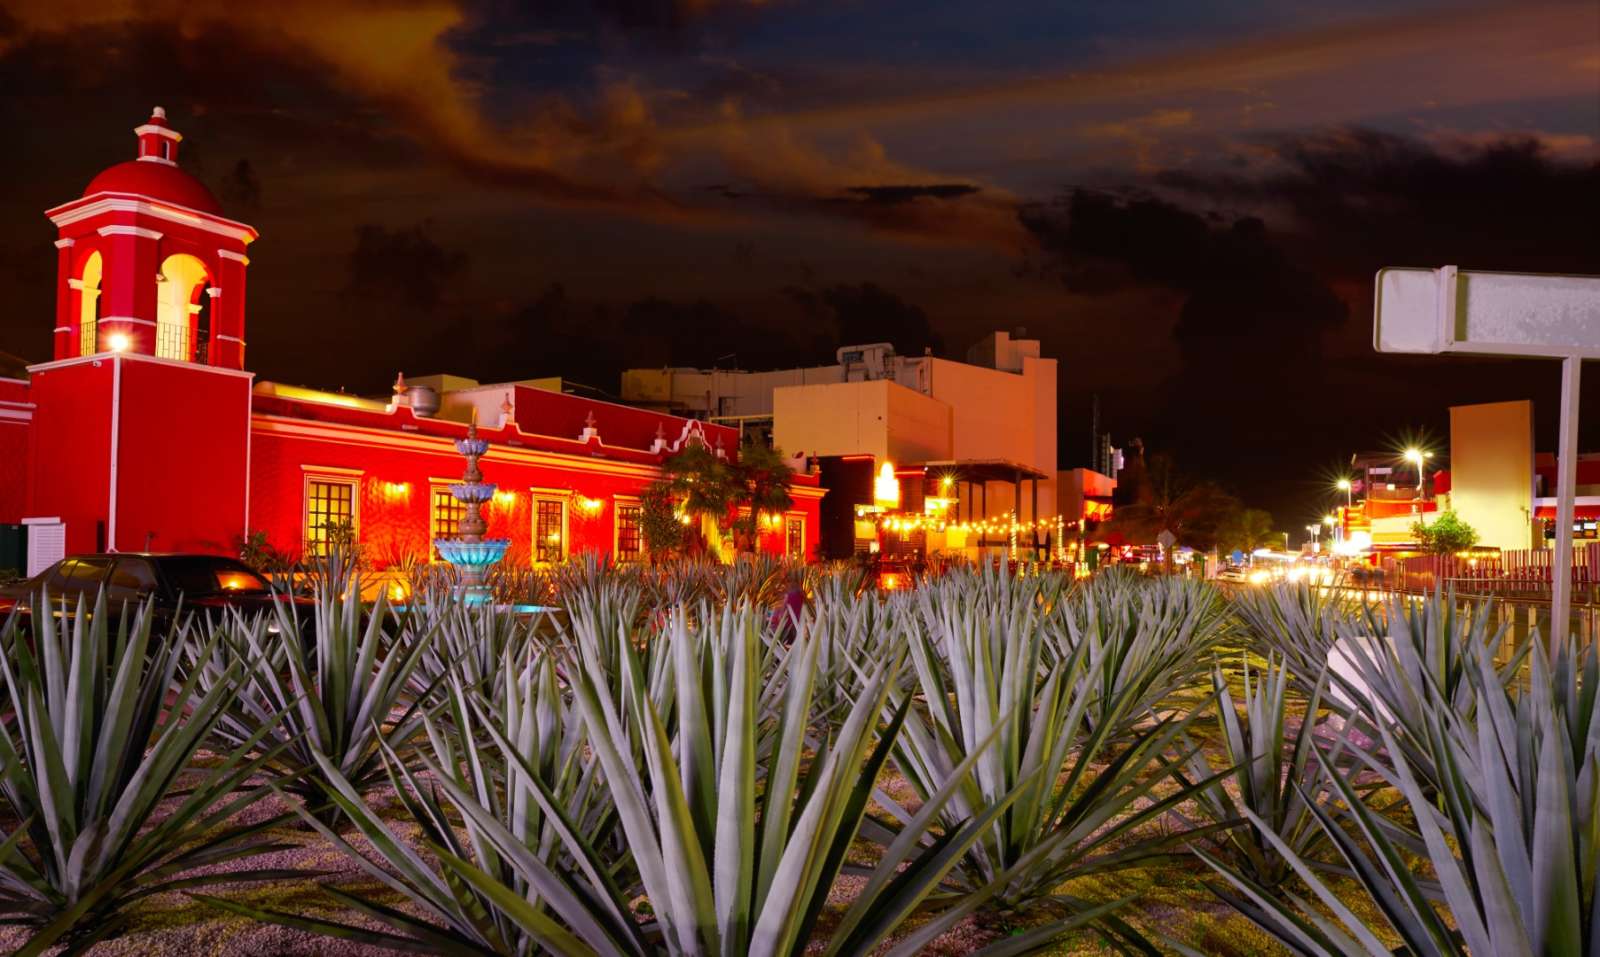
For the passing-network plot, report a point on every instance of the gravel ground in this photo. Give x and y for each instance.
(1172, 902)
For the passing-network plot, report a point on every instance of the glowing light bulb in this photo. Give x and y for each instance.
(118, 342)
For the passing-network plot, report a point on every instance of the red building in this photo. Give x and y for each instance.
(147, 430)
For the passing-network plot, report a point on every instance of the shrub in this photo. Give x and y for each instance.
(89, 760)
(1276, 773)
(1445, 535)
(1085, 777)
(1503, 810)
(342, 683)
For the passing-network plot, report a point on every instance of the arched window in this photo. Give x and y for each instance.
(179, 288)
(88, 286)
(202, 327)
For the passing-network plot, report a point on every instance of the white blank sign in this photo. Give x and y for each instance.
(1487, 313)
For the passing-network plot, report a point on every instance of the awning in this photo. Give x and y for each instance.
(1583, 506)
(985, 470)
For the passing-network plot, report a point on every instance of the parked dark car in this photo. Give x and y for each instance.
(198, 584)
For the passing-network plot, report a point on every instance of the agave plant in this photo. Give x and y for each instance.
(851, 630)
(759, 578)
(729, 867)
(1085, 781)
(1507, 819)
(1275, 772)
(1429, 637)
(491, 753)
(1144, 639)
(469, 643)
(341, 681)
(101, 728)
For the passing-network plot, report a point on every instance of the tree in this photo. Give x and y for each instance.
(659, 524)
(705, 488)
(1194, 512)
(1248, 529)
(708, 487)
(763, 477)
(1445, 534)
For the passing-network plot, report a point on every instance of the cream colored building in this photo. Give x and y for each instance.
(936, 410)
(1491, 471)
(991, 420)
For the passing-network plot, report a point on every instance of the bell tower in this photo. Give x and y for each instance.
(147, 264)
(148, 376)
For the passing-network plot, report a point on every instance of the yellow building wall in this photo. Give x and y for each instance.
(1491, 471)
(877, 418)
(1007, 416)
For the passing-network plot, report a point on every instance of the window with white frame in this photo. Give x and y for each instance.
(549, 528)
(794, 536)
(630, 531)
(444, 512)
(330, 512)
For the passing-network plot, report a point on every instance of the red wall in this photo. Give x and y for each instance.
(15, 423)
(181, 457)
(69, 458)
(395, 488)
(186, 457)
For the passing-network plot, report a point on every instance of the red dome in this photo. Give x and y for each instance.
(157, 181)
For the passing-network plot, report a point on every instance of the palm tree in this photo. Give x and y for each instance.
(763, 477)
(709, 487)
(706, 485)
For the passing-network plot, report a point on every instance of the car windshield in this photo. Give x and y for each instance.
(199, 575)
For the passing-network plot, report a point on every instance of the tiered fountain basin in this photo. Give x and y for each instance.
(477, 555)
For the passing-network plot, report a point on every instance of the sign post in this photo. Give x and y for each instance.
(1527, 315)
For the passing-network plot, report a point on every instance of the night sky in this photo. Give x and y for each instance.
(1185, 201)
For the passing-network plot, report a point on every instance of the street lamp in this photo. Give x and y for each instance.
(1415, 456)
(1315, 530)
(1347, 487)
(1333, 526)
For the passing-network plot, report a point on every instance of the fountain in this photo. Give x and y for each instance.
(469, 551)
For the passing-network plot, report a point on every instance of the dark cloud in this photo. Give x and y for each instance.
(1277, 376)
(867, 312)
(241, 188)
(1246, 301)
(405, 269)
(1361, 199)
(894, 195)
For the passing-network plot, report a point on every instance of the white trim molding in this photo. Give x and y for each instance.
(368, 437)
(236, 257)
(98, 357)
(133, 319)
(167, 131)
(116, 436)
(115, 202)
(153, 158)
(117, 229)
(65, 243)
